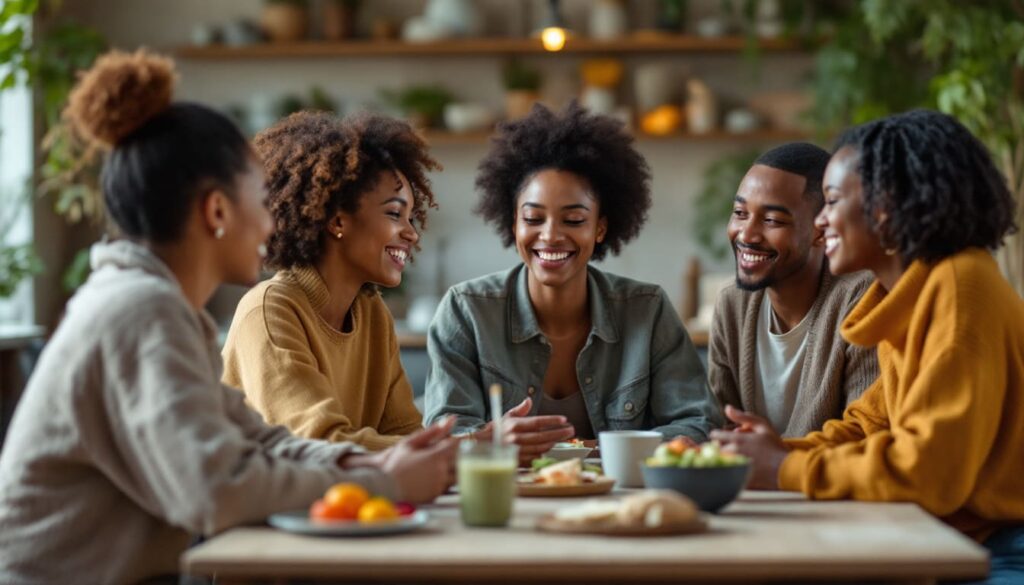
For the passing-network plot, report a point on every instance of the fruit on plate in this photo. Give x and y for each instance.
(347, 498)
(677, 454)
(377, 509)
(349, 501)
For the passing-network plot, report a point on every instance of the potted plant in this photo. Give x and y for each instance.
(285, 21)
(522, 89)
(422, 105)
(339, 19)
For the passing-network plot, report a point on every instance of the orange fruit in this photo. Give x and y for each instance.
(322, 512)
(346, 499)
(377, 509)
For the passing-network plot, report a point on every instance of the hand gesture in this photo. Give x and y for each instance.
(423, 464)
(535, 435)
(754, 437)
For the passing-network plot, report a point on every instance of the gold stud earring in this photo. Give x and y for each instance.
(338, 235)
(219, 233)
(891, 251)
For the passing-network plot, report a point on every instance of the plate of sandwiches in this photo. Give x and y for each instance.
(562, 479)
(647, 513)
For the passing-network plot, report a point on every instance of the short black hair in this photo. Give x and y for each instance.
(153, 177)
(596, 148)
(804, 159)
(935, 183)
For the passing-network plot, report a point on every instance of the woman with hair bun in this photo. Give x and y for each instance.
(314, 348)
(125, 444)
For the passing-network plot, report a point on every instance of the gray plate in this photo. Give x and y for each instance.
(298, 522)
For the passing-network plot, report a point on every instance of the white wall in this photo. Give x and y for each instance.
(660, 254)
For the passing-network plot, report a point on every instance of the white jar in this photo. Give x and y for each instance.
(608, 20)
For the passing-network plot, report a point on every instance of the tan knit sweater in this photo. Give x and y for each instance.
(834, 372)
(298, 371)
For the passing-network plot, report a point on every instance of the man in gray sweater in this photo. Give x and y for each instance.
(775, 348)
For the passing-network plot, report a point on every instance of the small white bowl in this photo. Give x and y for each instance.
(564, 453)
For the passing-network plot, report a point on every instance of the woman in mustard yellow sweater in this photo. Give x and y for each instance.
(916, 199)
(314, 348)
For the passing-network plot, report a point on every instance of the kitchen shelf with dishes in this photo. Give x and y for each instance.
(635, 44)
(446, 138)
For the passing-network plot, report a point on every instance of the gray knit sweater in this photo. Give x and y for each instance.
(834, 372)
(125, 442)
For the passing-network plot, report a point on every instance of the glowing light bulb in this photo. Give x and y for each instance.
(553, 38)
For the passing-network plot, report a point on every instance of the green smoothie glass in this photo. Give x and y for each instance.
(487, 482)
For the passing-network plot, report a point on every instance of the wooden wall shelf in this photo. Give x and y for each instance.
(481, 47)
(440, 137)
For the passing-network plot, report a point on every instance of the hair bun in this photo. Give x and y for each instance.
(120, 93)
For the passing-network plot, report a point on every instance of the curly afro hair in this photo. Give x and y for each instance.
(318, 164)
(120, 93)
(935, 183)
(596, 148)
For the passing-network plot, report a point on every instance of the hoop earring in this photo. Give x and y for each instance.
(218, 233)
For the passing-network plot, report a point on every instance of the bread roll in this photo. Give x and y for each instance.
(656, 509)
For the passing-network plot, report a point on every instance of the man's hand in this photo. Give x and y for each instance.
(754, 437)
(535, 435)
(422, 465)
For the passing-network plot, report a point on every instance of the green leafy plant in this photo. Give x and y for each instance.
(318, 100)
(714, 202)
(964, 58)
(47, 61)
(17, 261)
(520, 77)
(423, 103)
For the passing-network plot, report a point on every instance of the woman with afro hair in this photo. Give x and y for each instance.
(125, 445)
(915, 199)
(314, 348)
(577, 350)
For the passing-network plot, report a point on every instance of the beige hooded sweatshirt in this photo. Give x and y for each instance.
(125, 442)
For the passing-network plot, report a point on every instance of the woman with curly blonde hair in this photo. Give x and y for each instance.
(125, 444)
(314, 348)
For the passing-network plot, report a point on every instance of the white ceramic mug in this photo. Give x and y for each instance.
(622, 452)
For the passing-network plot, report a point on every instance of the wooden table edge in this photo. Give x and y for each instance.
(756, 569)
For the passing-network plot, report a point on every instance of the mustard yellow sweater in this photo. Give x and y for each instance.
(300, 372)
(943, 426)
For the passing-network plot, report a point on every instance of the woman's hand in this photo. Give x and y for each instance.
(535, 435)
(754, 437)
(422, 465)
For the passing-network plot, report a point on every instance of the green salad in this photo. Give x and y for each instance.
(678, 454)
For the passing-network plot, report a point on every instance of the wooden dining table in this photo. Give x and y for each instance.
(761, 537)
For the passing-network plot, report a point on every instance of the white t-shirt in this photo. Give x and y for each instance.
(780, 360)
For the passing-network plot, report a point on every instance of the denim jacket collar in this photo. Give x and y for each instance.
(523, 324)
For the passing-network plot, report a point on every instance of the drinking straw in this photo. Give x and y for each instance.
(496, 413)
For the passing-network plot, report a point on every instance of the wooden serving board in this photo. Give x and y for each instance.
(550, 523)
